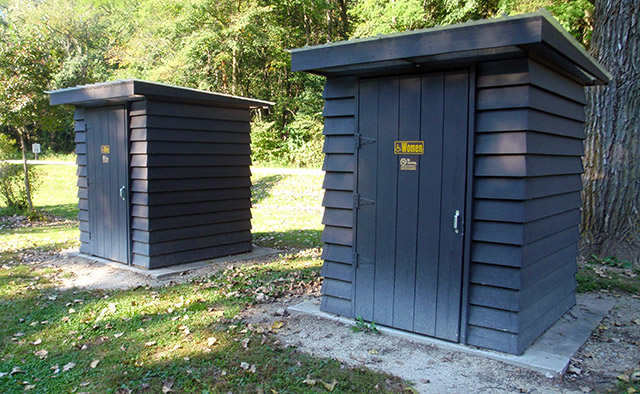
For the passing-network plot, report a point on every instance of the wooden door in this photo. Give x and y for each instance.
(411, 182)
(107, 156)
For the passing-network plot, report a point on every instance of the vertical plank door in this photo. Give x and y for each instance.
(408, 256)
(107, 175)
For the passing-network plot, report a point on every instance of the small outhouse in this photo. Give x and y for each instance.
(163, 171)
(452, 187)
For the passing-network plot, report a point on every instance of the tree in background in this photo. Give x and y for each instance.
(239, 47)
(611, 195)
(26, 65)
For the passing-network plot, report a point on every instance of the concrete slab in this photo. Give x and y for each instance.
(549, 355)
(165, 272)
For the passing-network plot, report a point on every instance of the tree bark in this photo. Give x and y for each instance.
(611, 181)
(27, 184)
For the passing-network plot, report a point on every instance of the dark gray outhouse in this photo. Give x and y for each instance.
(453, 162)
(163, 171)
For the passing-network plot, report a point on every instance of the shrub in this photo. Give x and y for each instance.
(298, 145)
(13, 192)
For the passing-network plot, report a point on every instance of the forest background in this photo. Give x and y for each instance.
(240, 47)
(237, 47)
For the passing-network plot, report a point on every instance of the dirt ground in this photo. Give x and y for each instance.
(613, 349)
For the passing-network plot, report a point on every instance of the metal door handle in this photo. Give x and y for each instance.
(122, 196)
(456, 216)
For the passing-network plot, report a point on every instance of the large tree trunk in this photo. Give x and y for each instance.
(611, 217)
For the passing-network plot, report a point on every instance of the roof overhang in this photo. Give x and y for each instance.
(537, 34)
(133, 89)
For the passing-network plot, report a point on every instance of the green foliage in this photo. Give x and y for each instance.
(227, 46)
(611, 261)
(574, 15)
(363, 326)
(12, 188)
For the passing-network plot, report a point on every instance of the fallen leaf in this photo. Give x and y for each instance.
(623, 377)
(94, 363)
(16, 370)
(277, 325)
(55, 369)
(41, 353)
(410, 390)
(118, 335)
(167, 386)
(124, 390)
(151, 343)
(37, 342)
(68, 367)
(585, 389)
(29, 387)
(211, 341)
(18, 334)
(309, 382)
(330, 386)
(373, 351)
(71, 310)
(245, 343)
(245, 365)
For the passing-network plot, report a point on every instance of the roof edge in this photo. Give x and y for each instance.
(133, 89)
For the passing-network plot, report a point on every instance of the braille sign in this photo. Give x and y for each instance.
(408, 147)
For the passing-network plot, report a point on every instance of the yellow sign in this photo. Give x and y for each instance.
(408, 147)
(105, 149)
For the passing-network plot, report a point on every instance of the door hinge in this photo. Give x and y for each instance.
(360, 201)
(358, 261)
(359, 140)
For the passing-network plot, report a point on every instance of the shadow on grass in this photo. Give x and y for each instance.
(67, 211)
(293, 238)
(261, 188)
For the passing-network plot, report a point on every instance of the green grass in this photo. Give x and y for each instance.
(57, 193)
(141, 340)
(598, 278)
(287, 210)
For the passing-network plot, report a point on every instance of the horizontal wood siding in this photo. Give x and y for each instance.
(83, 192)
(339, 163)
(190, 182)
(526, 202)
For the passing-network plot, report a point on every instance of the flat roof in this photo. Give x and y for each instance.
(537, 33)
(135, 89)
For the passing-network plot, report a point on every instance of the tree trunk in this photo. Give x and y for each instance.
(27, 185)
(611, 181)
(234, 71)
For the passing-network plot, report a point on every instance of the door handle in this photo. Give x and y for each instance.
(122, 196)
(456, 216)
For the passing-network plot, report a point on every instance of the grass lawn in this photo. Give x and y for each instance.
(184, 338)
